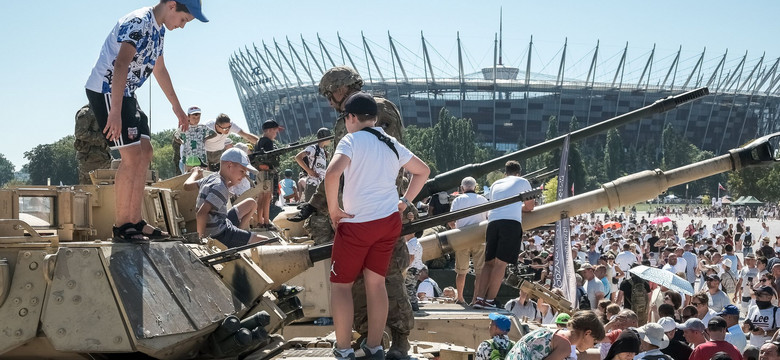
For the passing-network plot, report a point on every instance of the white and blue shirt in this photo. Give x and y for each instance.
(140, 29)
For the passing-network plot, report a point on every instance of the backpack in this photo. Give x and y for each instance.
(747, 239)
(638, 296)
(316, 153)
(497, 353)
(582, 297)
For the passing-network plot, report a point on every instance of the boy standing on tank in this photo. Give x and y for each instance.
(369, 225)
(131, 53)
(313, 160)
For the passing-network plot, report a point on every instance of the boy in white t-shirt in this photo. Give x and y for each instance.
(369, 225)
(313, 160)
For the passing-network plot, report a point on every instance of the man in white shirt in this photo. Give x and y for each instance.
(734, 334)
(626, 258)
(428, 288)
(215, 144)
(467, 199)
(504, 234)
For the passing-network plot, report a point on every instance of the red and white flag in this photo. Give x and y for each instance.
(720, 187)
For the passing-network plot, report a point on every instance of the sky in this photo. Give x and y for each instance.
(51, 46)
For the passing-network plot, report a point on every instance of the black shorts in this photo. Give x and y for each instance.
(135, 124)
(503, 240)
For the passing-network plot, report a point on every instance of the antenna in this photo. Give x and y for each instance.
(501, 34)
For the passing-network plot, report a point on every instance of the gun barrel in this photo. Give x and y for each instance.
(290, 146)
(624, 191)
(452, 178)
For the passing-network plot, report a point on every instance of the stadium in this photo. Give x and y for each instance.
(510, 103)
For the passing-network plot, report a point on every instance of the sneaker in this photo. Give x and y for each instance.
(484, 304)
(365, 354)
(306, 211)
(339, 355)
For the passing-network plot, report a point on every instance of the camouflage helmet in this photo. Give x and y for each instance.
(323, 133)
(337, 77)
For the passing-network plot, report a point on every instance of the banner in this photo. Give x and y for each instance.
(563, 264)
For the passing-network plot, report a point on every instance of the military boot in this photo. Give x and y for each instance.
(306, 211)
(399, 349)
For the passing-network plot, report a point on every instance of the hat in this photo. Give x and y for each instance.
(692, 324)
(323, 133)
(288, 172)
(654, 334)
(237, 156)
(562, 319)
(360, 103)
(717, 322)
(585, 266)
(667, 323)
(193, 110)
(627, 341)
(193, 6)
(502, 321)
(271, 124)
(729, 310)
(750, 256)
(727, 262)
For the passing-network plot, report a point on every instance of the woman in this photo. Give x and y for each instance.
(584, 331)
(625, 347)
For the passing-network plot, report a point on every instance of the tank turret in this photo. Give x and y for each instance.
(451, 179)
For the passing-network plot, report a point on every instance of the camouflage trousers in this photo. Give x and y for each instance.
(400, 317)
(411, 285)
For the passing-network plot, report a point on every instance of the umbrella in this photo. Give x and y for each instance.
(664, 278)
(613, 224)
(660, 219)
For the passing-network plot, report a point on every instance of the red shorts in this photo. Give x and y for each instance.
(368, 245)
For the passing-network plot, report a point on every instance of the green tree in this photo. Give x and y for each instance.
(56, 161)
(613, 155)
(550, 192)
(6, 170)
(578, 172)
(453, 141)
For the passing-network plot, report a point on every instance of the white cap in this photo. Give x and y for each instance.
(667, 323)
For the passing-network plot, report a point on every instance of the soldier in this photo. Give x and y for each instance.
(337, 84)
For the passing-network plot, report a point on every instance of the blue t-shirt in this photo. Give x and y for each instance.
(140, 29)
(288, 186)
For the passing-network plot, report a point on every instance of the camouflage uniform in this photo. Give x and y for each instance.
(91, 147)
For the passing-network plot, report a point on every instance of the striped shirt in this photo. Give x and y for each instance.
(214, 191)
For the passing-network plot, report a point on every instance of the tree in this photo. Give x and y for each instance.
(55, 161)
(550, 192)
(613, 155)
(6, 170)
(453, 142)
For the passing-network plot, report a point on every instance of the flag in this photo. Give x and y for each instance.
(720, 187)
(572, 189)
(563, 263)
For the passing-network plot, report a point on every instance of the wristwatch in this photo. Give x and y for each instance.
(405, 201)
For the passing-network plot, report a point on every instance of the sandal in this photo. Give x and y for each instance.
(127, 233)
(156, 234)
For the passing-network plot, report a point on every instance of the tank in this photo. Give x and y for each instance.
(66, 291)
(451, 179)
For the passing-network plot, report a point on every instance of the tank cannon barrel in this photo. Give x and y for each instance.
(624, 191)
(451, 179)
(265, 157)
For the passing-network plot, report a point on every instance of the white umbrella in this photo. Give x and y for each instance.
(664, 278)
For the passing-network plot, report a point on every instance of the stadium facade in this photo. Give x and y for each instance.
(507, 104)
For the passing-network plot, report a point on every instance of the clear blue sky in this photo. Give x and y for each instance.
(49, 47)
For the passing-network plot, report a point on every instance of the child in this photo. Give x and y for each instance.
(268, 172)
(313, 160)
(213, 218)
(288, 187)
(131, 53)
(193, 140)
(369, 225)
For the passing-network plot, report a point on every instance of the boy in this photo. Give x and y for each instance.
(268, 172)
(288, 187)
(370, 223)
(193, 140)
(313, 160)
(216, 144)
(131, 53)
(212, 216)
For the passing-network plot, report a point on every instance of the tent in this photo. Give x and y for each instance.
(749, 200)
(738, 201)
(725, 200)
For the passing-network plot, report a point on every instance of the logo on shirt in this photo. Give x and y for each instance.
(332, 270)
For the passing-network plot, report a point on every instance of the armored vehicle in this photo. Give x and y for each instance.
(68, 291)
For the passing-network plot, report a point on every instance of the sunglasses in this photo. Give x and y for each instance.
(225, 127)
(696, 304)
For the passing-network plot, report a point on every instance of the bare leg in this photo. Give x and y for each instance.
(245, 210)
(460, 283)
(477, 281)
(341, 310)
(483, 279)
(497, 272)
(130, 181)
(376, 299)
(264, 209)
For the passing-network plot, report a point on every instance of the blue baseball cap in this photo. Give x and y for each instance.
(238, 156)
(502, 321)
(194, 6)
(729, 310)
